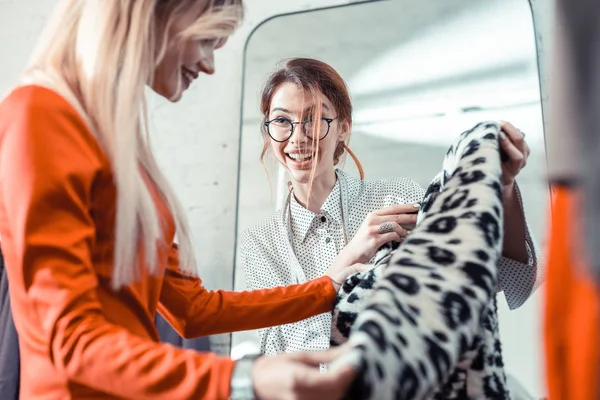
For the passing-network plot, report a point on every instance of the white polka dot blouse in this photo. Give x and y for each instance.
(296, 245)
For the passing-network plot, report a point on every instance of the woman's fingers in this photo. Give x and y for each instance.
(391, 237)
(513, 133)
(514, 154)
(397, 209)
(527, 149)
(361, 267)
(400, 231)
(406, 221)
(311, 384)
(516, 137)
(320, 357)
(403, 221)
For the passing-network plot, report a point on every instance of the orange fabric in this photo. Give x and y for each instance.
(572, 299)
(78, 338)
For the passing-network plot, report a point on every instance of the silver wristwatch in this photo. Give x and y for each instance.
(242, 387)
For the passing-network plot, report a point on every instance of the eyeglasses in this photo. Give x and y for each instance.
(281, 129)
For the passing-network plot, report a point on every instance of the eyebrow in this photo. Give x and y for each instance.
(306, 110)
(285, 110)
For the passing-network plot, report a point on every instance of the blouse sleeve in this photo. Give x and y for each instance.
(519, 280)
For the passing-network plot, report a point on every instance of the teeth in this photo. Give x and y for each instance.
(188, 76)
(300, 157)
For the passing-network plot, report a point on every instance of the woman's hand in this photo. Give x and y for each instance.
(512, 141)
(379, 227)
(339, 271)
(390, 224)
(296, 376)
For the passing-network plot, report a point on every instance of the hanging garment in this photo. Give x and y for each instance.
(169, 335)
(572, 319)
(9, 343)
(424, 322)
(572, 306)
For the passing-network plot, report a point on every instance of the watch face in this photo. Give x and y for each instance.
(242, 387)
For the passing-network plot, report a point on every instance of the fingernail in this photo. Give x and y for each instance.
(416, 205)
(502, 135)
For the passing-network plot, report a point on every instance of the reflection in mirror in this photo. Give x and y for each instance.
(416, 80)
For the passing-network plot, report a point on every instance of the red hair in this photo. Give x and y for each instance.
(314, 77)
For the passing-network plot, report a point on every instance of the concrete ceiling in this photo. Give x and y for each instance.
(352, 37)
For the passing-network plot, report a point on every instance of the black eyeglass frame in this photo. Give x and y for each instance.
(292, 124)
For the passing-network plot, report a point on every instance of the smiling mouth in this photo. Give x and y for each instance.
(188, 76)
(300, 158)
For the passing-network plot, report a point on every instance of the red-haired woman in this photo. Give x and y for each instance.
(331, 218)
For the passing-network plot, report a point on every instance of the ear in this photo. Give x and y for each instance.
(345, 132)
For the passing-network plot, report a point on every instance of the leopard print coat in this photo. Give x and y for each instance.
(423, 322)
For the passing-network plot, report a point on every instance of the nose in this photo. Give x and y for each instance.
(207, 60)
(298, 135)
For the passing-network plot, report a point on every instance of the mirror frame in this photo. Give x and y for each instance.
(259, 12)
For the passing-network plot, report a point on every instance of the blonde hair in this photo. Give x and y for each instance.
(100, 55)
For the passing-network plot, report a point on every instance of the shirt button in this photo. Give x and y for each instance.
(327, 240)
(323, 219)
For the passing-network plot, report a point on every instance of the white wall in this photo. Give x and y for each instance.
(196, 139)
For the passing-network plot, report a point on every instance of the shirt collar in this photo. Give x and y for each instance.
(332, 208)
(303, 219)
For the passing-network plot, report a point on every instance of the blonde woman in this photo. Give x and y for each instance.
(88, 220)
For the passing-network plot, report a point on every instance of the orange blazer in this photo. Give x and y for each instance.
(572, 313)
(79, 339)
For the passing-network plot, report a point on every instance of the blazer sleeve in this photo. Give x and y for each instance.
(195, 311)
(47, 169)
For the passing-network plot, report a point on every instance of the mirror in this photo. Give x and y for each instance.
(417, 80)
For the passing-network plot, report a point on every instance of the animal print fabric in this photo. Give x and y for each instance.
(423, 323)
